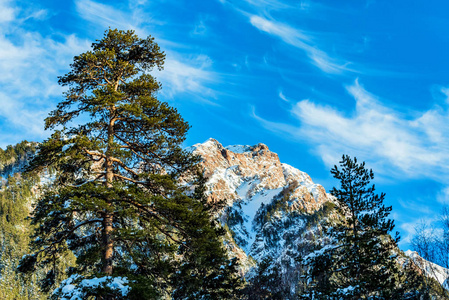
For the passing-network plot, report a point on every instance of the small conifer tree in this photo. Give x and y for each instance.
(267, 282)
(360, 262)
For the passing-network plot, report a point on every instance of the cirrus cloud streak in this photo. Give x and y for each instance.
(301, 40)
(398, 145)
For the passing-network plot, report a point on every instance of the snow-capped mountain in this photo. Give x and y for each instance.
(272, 208)
(242, 172)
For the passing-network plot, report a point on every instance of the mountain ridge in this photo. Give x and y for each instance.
(228, 167)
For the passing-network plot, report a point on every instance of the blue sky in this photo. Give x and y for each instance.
(311, 79)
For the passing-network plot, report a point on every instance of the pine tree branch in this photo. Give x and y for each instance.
(127, 178)
(114, 159)
(67, 234)
(153, 214)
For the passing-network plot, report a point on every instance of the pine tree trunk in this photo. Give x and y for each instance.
(108, 243)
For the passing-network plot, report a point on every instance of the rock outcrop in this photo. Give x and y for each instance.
(240, 172)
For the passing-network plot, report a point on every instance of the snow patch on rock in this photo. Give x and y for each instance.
(239, 148)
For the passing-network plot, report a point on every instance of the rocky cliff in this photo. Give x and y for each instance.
(241, 172)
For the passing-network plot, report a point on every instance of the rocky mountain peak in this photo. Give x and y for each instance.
(241, 171)
(272, 208)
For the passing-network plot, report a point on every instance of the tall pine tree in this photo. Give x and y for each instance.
(117, 202)
(360, 262)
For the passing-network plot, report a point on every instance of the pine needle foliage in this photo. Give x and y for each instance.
(117, 201)
(267, 282)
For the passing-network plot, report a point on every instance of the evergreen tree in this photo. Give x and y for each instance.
(117, 201)
(360, 262)
(196, 277)
(267, 283)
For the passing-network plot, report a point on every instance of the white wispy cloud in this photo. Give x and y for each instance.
(393, 143)
(181, 75)
(430, 226)
(282, 96)
(269, 4)
(7, 12)
(443, 196)
(408, 230)
(289, 130)
(200, 28)
(28, 81)
(183, 72)
(417, 205)
(103, 15)
(301, 40)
